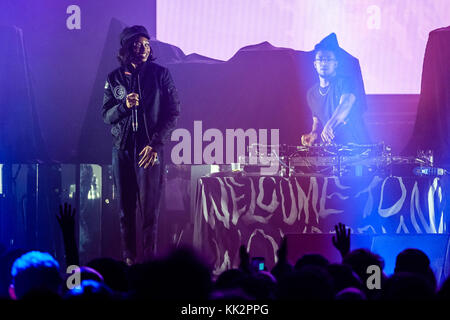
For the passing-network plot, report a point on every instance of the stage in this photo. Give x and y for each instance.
(257, 211)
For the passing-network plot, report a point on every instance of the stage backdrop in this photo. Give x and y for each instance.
(432, 127)
(70, 46)
(260, 87)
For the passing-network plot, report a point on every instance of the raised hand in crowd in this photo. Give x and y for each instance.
(66, 221)
(282, 268)
(341, 240)
(282, 251)
(244, 260)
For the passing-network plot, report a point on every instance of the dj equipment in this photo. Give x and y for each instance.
(349, 160)
(265, 160)
(341, 160)
(415, 166)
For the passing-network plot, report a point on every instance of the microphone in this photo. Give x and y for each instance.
(134, 119)
(134, 115)
(429, 171)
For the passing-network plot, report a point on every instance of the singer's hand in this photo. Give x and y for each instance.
(132, 100)
(149, 157)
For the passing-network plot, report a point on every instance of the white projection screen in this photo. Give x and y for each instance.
(387, 36)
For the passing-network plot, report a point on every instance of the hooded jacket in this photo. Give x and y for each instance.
(159, 105)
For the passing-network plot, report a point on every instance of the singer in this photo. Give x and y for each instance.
(334, 103)
(141, 103)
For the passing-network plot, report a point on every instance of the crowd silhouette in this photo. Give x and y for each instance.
(182, 275)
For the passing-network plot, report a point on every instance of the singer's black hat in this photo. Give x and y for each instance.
(131, 32)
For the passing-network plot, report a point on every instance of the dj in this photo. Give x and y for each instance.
(334, 104)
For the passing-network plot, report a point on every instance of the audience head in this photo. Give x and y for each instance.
(185, 275)
(90, 290)
(444, 291)
(113, 272)
(412, 260)
(230, 279)
(6, 261)
(407, 286)
(281, 270)
(234, 282)
(88, 273)
(344, 277)
(260, 285)
(181, 275)
(308, 283)
(351, 294)
(311, 259)
(230, 294)
(35, 274)
(360, 259)
(415, 261)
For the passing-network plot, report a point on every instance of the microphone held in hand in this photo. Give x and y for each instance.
(134, 114)
(134, 119)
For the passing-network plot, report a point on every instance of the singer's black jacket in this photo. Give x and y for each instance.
(159, 104)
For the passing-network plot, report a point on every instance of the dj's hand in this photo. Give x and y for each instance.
(309, 139)
(132, 100)
(149, 157)
(327, 134)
